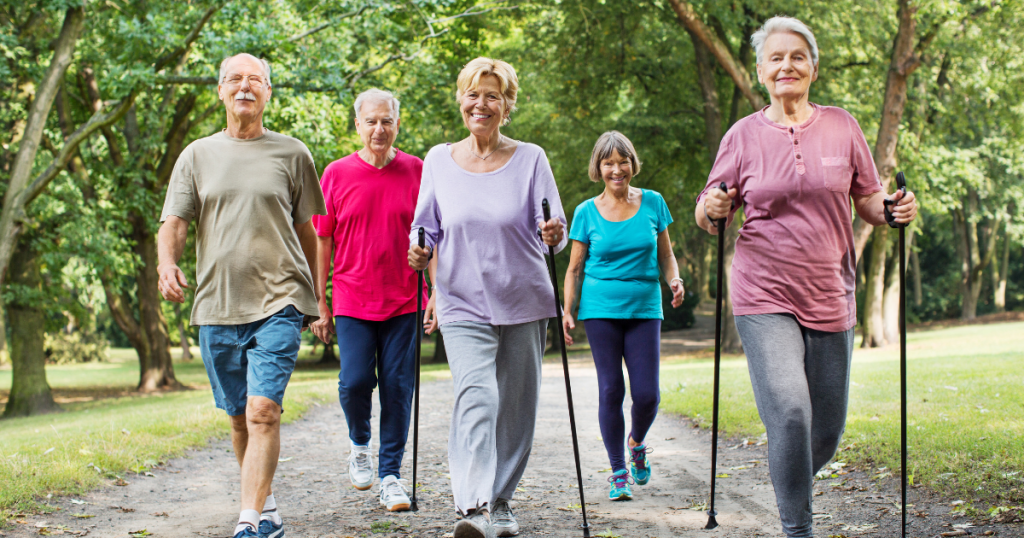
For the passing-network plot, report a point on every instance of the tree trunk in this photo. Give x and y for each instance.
(874, 335)
(329, 356)
(30, 392)
(186, 350)
(156, 371)
(4, 355)
(689, 20)
(704, 275)
(440, 354)
(915, 264)
(891, 299)
(14, 200)
(903, 63)
(731, 342)
(972, 260)
(1000, 284)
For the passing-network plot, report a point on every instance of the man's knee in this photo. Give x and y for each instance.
(262, 412)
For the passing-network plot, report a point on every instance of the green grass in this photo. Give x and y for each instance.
(965, 409)
(97, 439)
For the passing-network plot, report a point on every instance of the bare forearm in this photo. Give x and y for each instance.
(171, 240)
(432, 271)
(871, 208)
(573, 282)
(325, 251)
(308, 242)
(702, 219)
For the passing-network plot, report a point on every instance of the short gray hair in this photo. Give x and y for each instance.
(375, 94)
(608, 143)
(224, 67)
(775, 25)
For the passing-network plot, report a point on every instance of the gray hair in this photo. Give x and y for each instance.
(224, 67)
(775, 25)
(374, 95)
(608, 143)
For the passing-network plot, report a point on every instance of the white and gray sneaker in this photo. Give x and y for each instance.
(475, 525)
(360, 467)
(502, 519)
(392, 494)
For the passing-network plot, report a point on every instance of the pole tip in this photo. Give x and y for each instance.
(712, 522)
(413, 507)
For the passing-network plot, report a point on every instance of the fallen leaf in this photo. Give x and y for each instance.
(139, 533)
(76, 501)
(957, 532)
(161, 514)
(282, 460)
(120, 482)
(82, 516)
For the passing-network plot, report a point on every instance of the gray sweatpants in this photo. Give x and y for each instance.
(496, 371)
(801, 380)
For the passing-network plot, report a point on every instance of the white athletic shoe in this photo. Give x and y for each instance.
(360, 467)
(474, 526)
(502, 520)
(392, 494)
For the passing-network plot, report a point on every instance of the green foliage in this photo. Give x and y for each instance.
(64, 348)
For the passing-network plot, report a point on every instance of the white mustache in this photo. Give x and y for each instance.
(248, 96)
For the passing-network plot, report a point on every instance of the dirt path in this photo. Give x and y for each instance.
(195, 495)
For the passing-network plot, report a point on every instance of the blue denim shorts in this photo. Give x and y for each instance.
(253, 359)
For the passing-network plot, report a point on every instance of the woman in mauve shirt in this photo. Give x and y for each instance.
(794, 167)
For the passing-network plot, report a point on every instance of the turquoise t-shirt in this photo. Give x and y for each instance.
(621, 274)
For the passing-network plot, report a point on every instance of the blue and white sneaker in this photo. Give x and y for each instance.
(639, 467)
(620, 486)
(269, 530)
(247, 532)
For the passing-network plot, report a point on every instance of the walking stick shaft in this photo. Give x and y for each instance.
(901, 185)
(720, 225)
(416, 400)
(565, 370)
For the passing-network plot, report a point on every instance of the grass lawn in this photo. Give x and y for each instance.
(965, 409)
(101, 439)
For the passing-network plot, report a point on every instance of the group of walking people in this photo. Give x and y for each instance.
(270, 234)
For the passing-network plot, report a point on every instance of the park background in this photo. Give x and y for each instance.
(100, 98)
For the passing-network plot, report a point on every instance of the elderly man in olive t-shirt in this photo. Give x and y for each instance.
(251, 193)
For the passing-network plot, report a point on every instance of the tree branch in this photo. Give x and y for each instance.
(329, 23)
(469, 12)
(96, 122)
(189, 39)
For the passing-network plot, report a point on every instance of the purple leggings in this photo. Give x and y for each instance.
(638, 341)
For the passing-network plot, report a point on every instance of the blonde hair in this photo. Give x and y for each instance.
(607, 144)
(508, 82)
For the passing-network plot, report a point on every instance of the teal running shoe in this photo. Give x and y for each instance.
(620, 486)
(639, 467)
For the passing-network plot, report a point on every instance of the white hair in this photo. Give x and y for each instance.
(224, 67)
(775, 25)
(375, 95)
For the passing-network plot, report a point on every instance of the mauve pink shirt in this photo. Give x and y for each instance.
(795, 250)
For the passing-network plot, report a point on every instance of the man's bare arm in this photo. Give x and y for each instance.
(170, 243)
(308, 241)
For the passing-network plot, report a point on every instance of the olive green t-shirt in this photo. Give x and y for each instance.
(246, 197)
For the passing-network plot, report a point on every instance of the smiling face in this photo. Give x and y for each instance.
(616, 172)
(787, 69)
(244, 88)
(377, 126)
(483, 107)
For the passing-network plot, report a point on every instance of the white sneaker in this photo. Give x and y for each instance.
(392, 494)
(360, 467)
(502, 520)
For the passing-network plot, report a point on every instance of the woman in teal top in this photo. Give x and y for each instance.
(620, 249)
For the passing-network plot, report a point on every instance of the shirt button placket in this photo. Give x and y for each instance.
(797, 151)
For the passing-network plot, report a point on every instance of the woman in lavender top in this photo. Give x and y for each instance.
(480, 205)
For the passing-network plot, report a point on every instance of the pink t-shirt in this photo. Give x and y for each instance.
(795, 251)
(369, 213)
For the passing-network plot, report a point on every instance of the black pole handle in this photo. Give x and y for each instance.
(901, 185)
(546, 207)
(720, 223)
(422, 237)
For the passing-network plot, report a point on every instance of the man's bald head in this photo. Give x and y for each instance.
(246, 58)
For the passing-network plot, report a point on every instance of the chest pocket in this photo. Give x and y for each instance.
(836, 173)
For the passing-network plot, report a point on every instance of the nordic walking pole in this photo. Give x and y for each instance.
(565, 370)
(901, 185)
(720, 224)
(416, 405)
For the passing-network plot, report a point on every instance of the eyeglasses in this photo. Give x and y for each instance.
(255, 81)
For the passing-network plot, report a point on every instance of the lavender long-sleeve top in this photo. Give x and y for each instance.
(483, 229)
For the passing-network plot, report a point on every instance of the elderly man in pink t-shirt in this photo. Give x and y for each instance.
(794, 166)
(371, 196)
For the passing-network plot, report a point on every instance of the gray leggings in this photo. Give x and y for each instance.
(496, 371)
(801, 380)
